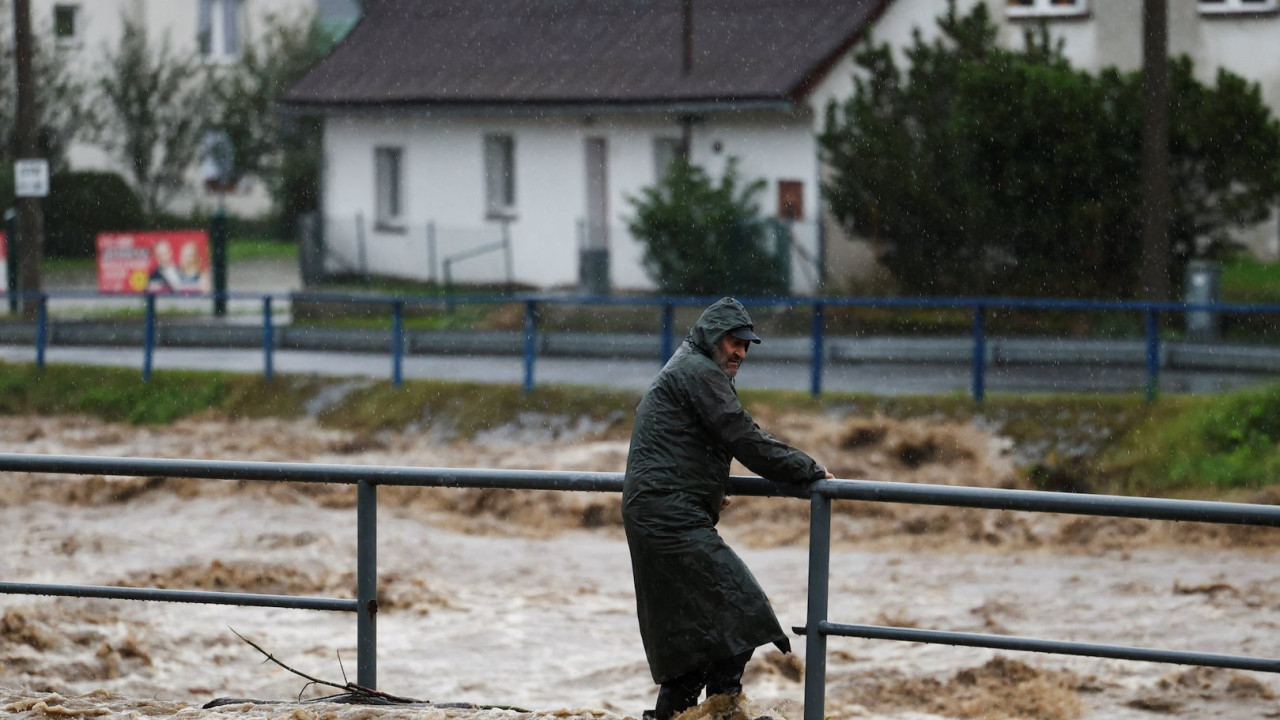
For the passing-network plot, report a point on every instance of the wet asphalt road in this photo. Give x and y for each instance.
(635, 374)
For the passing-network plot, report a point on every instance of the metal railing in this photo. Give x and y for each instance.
(1148, 352)
(820, 494)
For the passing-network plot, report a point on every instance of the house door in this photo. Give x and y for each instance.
(593, 262)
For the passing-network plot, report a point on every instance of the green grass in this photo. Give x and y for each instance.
(118, 394)
(1246, 280)
(245, 249)
(1222, 445)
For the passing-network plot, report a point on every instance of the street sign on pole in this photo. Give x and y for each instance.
(31, 177)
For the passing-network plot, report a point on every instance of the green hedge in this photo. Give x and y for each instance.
(82, 204)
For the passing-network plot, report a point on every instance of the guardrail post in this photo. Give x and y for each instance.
(11, 251)
(530, 342)
(268, 339)
(218, 259)
(668, 332)
(979, 353)
(815, 365)
(397, 342)
(367, 584)
(1153, 354)
(148, 337)
(42, 328)
(815, 651)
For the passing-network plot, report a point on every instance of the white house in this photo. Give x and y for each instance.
(502, 140)
(84, 32)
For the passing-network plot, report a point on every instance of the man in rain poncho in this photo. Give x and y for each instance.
(702, 613)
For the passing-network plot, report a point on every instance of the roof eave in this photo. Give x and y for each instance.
(527, 108)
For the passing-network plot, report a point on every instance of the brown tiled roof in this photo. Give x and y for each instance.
(606, 52)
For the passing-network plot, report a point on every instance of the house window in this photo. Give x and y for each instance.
(66, 24)
(219, 33)
(1223, 7)
(500, 176)
(389, 186)
(665, 151)
(1047, 8)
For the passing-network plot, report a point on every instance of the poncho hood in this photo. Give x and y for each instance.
(715, 322)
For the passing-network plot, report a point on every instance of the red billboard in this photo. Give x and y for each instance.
(161, 261)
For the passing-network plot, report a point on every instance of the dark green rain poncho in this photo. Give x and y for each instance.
(697, 601)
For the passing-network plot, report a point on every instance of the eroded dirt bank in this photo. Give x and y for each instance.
(524, 599)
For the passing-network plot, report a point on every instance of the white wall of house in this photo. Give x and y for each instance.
(444, 189)
(98, 28)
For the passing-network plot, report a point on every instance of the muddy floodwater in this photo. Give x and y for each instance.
(521, 602)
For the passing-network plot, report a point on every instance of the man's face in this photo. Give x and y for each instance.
(730, 353)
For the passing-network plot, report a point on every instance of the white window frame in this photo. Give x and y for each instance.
(76, 18)
(1237, 7)
(500, 176)
(220, 29)
(388, 187)
(1047, 8)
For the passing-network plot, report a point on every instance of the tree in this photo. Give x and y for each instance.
(63, 111)
(284, 152)
(156, 106)
(704, 238)
(983, 170)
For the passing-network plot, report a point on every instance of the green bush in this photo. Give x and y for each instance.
(81, 205)
(701, 238)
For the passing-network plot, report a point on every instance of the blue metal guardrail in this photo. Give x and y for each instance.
(820, 494)
(978, 307)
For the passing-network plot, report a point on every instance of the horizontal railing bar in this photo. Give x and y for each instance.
(311, 472)
(1009, 642)
(955, 302)
(1053, 502)
(183, 596)
(867, 490)
(350, 474)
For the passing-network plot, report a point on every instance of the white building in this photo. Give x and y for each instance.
(502, 140)
(453, 127)
(84, 32)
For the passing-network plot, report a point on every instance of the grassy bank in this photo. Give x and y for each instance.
(1222, 446)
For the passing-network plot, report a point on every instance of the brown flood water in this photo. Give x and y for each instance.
(524, 599)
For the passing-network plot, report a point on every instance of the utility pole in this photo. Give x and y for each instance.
(686, 67)
(30, 216)
(1156, 201)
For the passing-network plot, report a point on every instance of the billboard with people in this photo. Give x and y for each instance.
(163, 261)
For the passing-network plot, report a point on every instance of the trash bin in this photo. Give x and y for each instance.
(1202, 283)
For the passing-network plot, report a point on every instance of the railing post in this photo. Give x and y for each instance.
(979, 353)
(668, 333)
(42, 328)
(815, 651)
(397, 342)
(268, 339)
(1153, 354)
(530, 342)
(367, 584)
(815, 366)
(149, 337)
